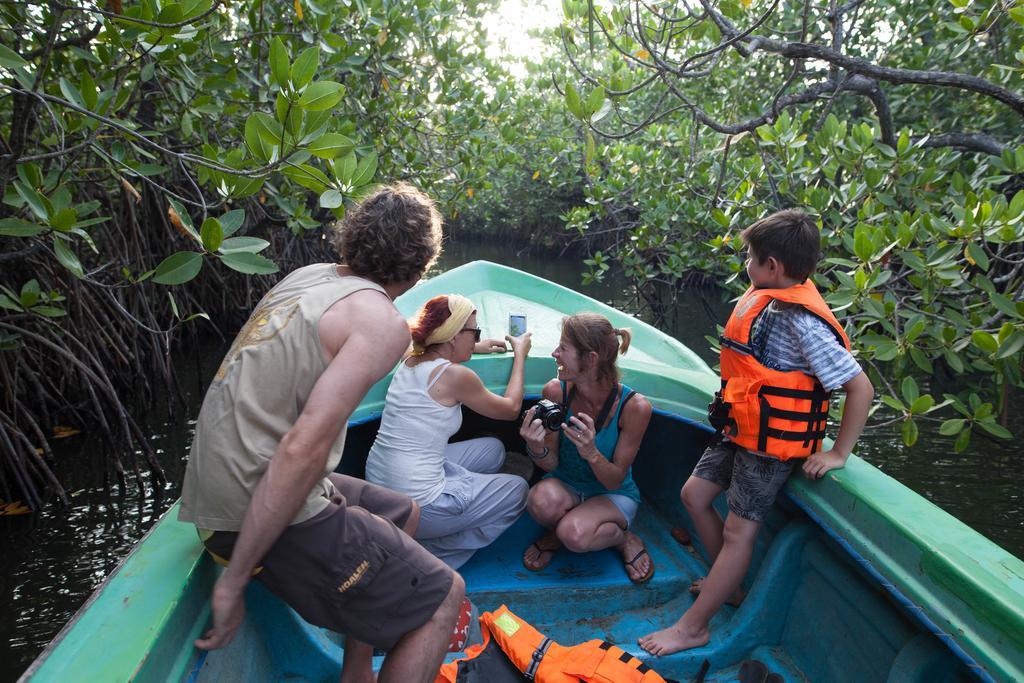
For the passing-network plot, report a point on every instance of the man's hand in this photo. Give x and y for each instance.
(818, 464)
(228, 606)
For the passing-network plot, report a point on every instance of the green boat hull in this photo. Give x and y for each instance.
(854, 577)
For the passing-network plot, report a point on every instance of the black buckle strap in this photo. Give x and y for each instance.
(813, 416)
(535, 659)
(815, 394)
(786, 435)
(745, 349)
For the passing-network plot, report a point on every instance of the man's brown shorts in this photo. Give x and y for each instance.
(351, 568)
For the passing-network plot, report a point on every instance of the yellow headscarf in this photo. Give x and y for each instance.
(461, 308)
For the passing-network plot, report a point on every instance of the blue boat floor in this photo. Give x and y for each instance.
(578, 597)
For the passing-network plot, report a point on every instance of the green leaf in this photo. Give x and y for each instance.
(16, 227)
(64, 219)
(212, 234)
(71, 93)
(995, 429)
(87, 86)
(909, 432)
(185, 218)
(886, 350)
(1011, 345)
(11, 59)
(344, 168)
(909, 390)
(178, 268)
(308, 176)
(30, 293)
(268, 128)
(35, 201)
(984, 341)
(279, 61)
(330, 145)
(978, 255)
(365, 170)
(250, 244)
(249, 263)
(601, 113)
(320, 96)
(305, 67)
(893, 403)
(962, 441)
(9, 303)
(331, 199)
(67, 258)
(231, 221)
(595, 101)
(951, 427)
(258, 145)
(572, 101)
(922, 405)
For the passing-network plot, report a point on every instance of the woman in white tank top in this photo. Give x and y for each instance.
(464, 503)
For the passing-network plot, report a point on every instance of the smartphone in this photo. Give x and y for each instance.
(516, 324)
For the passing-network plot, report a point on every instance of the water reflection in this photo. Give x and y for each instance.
(52, 561)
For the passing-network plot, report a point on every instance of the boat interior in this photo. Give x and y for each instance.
(812, 612)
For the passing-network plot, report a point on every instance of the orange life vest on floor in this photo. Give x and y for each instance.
(542, 660)
(779, 413)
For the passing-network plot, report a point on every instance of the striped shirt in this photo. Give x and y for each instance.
(789, 338)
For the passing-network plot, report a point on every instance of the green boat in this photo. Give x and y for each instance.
(854, 578)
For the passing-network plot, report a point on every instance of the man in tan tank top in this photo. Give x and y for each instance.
(260, 484)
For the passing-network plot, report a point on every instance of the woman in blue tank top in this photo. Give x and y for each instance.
(588, 499)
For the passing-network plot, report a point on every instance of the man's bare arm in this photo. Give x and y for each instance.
(375, 340)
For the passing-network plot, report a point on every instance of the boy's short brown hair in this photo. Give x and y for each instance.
(393, 235)
(791, 236)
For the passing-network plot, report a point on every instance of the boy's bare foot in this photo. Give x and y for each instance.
(635, 559)
(735, 600)
(675, 638)
(541, 552)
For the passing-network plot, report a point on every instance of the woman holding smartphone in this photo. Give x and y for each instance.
(588, 500)
(464, 503)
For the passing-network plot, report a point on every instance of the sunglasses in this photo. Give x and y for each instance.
(474, 330)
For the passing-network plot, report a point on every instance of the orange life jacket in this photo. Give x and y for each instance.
(542, 660)
(779, 413)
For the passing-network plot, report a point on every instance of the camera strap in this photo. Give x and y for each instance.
(605, 409)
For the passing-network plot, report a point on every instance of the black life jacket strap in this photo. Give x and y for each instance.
(740, 347)
(535, 659)
(818, 393)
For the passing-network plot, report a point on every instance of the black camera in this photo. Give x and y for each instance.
(550, 414)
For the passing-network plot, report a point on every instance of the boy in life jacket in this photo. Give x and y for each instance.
(782, 354)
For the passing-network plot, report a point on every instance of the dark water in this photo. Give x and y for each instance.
(51, 561)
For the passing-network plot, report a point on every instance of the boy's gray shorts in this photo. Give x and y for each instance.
(752, 481)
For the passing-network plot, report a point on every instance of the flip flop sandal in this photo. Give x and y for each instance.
(540, 553)
(632, 563)
(753, 671)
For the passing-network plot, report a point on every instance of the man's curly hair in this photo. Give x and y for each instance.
(393, 235)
